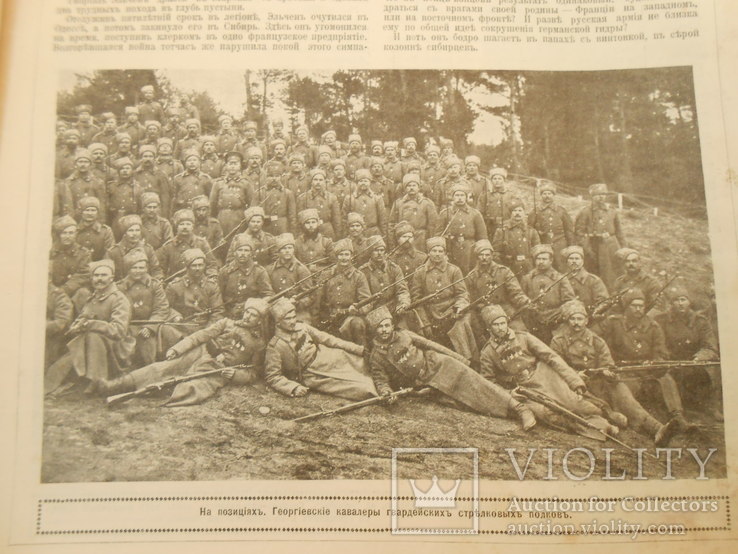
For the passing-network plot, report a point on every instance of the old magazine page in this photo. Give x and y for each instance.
(314, 274)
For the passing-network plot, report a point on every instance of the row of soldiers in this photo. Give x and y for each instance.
(436, 281)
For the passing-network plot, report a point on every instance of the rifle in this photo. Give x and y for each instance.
(172, 381)
(432, 295)
(368, 402)
(645, 369)
(331, 320)
(540, 295)
(601, 308)
(286, 291)
(655, 299)
(486, 296)
(162, 322)
(552, 404)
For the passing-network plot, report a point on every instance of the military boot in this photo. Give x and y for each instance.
(105, 387)
(665, 432)
(525, 415)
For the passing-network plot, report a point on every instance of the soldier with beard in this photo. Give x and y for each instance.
(319, 198)
(131, 239)
(311, 247)
(369, 205)
(355, 159)
(588, 288)
(153, 179)
(91, 233)
(405, 255)
(87, 129)
(634, 276)
(65, 156)
(205, 226)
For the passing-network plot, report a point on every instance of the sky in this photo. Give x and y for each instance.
(227, 89)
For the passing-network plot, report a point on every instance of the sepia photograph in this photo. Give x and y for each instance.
(289, 275)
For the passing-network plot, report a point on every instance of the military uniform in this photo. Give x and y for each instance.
(64, 164)
(187, 185)
(149, 302)
(308, 154)
(507, 291)
(212, 166)
(328, 210)
(264, 247)
(134, 130)
(495, 204)
(169, 167)
(170, 255)
(279, 208)
(123, 199)
(310, 249)
(78, 186)
(588, 288)
(431, 174)
(69, 267)
(209, 229)
(190, 297)
(59, 313)
(341, 189)
(555, 227)
(393, 171)
(478, 183)
(239, 282)
(356, 161)
(118, 251)
(384, 188)
(226, 141)
(514, 241)
(298, 183)
(545, 313)
(444, 186)
(371, 207)
(381, 275)
(152, 180)
(95, 237)
(284, 275)
(408, 258)
(436, 314)
(151, 110)
(229, 198)
(418, 212)
(641, 280)
(186, 146)
(86, 132)
(342, 289)
(599, 231)
(466, 227)
(156, 230)
(107, 138)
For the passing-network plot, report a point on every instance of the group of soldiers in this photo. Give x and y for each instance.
(330, 268)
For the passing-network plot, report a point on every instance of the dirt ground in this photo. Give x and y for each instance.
(229, 437)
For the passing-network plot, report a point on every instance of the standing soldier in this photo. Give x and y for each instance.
(87, 129)
(91, 233)
(156, 230)
(130, 226)
(463, 225)
(211, 164)
(381, 272)
(227, 139)
(598, 230)
(545, 312)
(410, 154)
(151, 178)
(132, 126)
(339, 185)
(323, 161)
(123, 196)
(148, 108)
(451, 179)
(101, 343)
(588, 288)
(634, 337)
(242, 278)
(377, 149)
(173, 128)
(689, 336)
(635, 277)
(514, 240)
(278, 132)
(65, 157)
(191, 142)
(165, 161)
(478, 182)
(439, 314)
(288, 270)
(358, 236)
(553, 223)
(497, 284)
(170, 254)
(153, 134)
(82, 182)
(252, 173)
(123, 149)
(231, 194)
(190, 183)
(263, 243)
(302, 146)
(582, 349)
(319, 198)
(277, 200)
(329, 139)
(107, 135)
(205, 226)
(369, 205)
(297, 180)
(250, 141)
(406, 256)
(431, 172)
(392, 165)
(311, 247)
(381, 186)
(68, 260)
(496, 201)
(195, 297)
(148, 302)
(344, 287)
(416, 209)
(355, 159)
(100, 167)
(278, 149)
